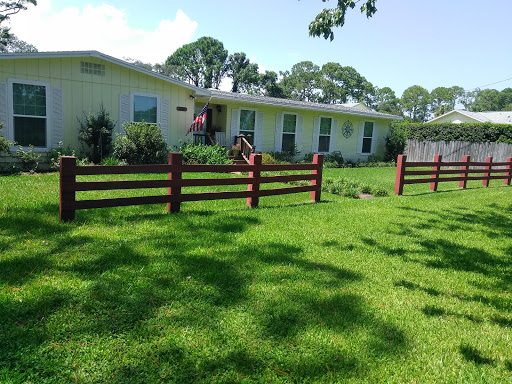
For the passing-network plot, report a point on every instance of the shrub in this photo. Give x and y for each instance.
(4, 143)
(396, 141)
(112, 161)
(285, 156)
(267, 159)
(142, 144)
(29, 159)
(204, 154)
(95, 134)
(53, 156)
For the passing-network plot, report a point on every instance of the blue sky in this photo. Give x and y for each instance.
(407, 42)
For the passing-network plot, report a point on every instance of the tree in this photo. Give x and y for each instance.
(95, 134)
(415, 103)
(269, 85)
(202, 62)
(486, 100)
(444, 99)
(329, 18)
(8, 41)
(342, 84)
(244, 74)
(387, 102)
(301, 83)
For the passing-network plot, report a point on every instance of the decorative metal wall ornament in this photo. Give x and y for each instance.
(347, 129)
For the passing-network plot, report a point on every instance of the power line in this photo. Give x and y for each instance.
(497, 82)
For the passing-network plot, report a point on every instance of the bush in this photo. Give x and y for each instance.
(204, 154)
(267, 159)
(471, 132)
(29, 159)
(285, 156)
(4, 143)
(142, 144)
(95, 134)
(53, 156)
(395, 144)
(331, 160)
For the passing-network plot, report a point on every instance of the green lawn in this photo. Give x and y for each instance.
(416, 288)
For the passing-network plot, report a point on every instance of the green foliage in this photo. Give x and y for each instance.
(351, 188)
(285, 156)
(244, 74)
(54, 154)
(416, 103)
(4, 143)
(202, 62)
(301, 83)
(331, 160)
(95, 134)
(471, 132)
(142, 143)
(29, 159)
(396, 141)
(112, 160)
(267, 158)
(329, 18)
(204, 154)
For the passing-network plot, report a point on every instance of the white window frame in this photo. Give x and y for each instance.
(11, 115)
(132, 107)
(240, 118)
(373, 137)
(329, 135)
(287, 133)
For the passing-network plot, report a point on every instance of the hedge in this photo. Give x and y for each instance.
(472, 132)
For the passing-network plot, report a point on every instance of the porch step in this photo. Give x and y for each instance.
(237, 160)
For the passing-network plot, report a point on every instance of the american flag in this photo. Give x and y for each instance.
(197, 125)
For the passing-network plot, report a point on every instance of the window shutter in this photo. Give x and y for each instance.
(57, 132)
(258, 131)
(235, 124)
(298, 132)
(279, 132)
(3, 111)
(374, 138)
(165, 112)
(332, 141)
(124, 111)
(316, 133)
(360, 138)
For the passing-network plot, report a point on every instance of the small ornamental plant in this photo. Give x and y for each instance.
(235, 147)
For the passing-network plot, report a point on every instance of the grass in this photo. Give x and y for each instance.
(414, 288)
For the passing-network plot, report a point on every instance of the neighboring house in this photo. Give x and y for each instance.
(43, 94)
(461, 116)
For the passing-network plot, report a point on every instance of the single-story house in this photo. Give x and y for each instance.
(43, 94)
(461, 116)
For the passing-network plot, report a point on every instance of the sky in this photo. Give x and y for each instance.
(407, 42)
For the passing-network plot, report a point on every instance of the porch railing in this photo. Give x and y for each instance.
(245, 148)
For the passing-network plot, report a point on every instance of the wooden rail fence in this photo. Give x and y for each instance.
(484, 171)
(174, 197)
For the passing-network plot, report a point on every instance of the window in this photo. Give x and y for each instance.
(145, 108)
(367, 137)
(29, 102)
(92, 68)
(248, 124)
(289, 132)
(324, 139)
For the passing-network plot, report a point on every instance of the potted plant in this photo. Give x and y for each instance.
(235, 150)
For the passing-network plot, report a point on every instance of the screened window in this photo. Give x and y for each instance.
(289, 132)
(248, 124)
(324, 139)
(367, 137)
(29, 112)
(145, 109)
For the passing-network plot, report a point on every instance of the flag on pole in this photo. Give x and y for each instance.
(197, 125)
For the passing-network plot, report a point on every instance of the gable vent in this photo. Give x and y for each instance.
(92, 68)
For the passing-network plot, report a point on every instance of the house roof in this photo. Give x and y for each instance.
(305, 105)
(498, 117)
(41, 55)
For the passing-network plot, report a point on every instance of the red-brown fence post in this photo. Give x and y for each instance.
(67, 188)
(175, 159)
(485, 182)
(318, 161)
(435, 172)
(400, 174)
(464, 171)
(509, 171)
(254, 183)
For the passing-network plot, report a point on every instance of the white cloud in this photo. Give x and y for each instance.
(103, 28)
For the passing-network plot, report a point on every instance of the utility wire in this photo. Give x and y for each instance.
(497, 82)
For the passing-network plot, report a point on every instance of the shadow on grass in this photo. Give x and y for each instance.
(111, 279)
(472, 354)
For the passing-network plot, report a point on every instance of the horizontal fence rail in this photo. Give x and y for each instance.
(465, 170)
(174, 184)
